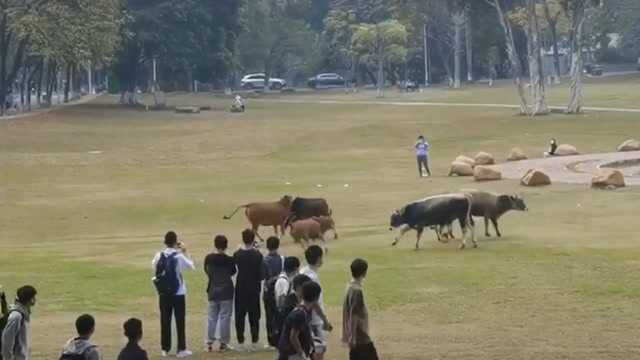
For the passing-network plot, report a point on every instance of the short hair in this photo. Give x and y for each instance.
(359, 268)
(85, 325)
(300, 280)
(221, 242)
(171, 238)
(25, 294)
(273, 243)
(248, 237)
(291, 264)
(313, 254)
(132, 329)
(311, 291)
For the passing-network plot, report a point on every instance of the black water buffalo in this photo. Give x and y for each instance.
(491, 206)
(303, 208)
(436, 211)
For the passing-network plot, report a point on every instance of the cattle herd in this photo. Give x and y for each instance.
(310, 219)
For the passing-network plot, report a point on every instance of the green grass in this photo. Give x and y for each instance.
(562, 283)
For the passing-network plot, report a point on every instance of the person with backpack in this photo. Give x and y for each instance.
(275, 291)
(296, 342)
(80, 347)
(169, 265)
(320, 324)
(15, 326)
(133, 333)
(273, 266)
(219, 268)
(248, 260)
(294, 298)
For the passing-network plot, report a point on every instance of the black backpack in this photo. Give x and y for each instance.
(3, 324)
(270, 298)
(166, 279)
(81, 356)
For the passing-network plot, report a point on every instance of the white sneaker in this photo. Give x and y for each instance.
(184, 354)
(164, 353)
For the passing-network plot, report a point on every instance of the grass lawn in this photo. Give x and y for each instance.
(563, 282)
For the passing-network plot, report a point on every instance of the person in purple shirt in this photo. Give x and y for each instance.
(422, 154)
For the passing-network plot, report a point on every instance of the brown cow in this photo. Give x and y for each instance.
(266, 214)
(313, 229)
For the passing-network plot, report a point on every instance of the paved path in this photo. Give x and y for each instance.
(574, 169)
(426, 103)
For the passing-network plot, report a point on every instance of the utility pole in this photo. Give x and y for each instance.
(155, 75)
(89, 79)
(426, 55)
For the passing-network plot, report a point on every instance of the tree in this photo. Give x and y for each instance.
(552, 12)
(468, 36)
(576, 12)
(536, 70)
(512, 51)
(384, 42)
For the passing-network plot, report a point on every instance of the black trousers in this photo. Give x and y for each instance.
(363, 352)
(270, 313)
(423, 161)
(248, 304)
(171, 305)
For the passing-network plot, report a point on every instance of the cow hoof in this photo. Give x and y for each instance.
(475, 246)
(487, 235)
(463, 246)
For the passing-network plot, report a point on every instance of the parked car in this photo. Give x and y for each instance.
(256, 81)
(594, 69)
(329, 79)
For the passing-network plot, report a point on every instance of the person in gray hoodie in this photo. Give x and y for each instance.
(15, 336)
(81, 348)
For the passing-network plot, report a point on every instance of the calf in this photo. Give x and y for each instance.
(434, 211)
(312, 229)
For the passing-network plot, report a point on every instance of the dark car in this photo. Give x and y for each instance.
(594, 69)
(329, 79)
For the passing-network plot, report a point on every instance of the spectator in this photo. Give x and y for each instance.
(273, 267)
(553, 146)
(422, 154)
(133, 333)
(275, 292)
(294, 298)
(219, 268)
(296, 341)
(169, 265)
(248, 285)
(80, 347)
(355, 317)
(16, 334)
(319, 321)
(4, 307)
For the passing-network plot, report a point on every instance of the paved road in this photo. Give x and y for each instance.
(571, 169)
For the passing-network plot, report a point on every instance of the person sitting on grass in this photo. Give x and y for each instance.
(355, 317)
(16, 334)
(80, 347)
(553, 146)
(296, 342)
(133, 332)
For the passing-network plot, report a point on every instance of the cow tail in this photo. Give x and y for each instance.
(227, 217)
(469, 218)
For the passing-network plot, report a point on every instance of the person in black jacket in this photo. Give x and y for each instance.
(248, 286)
(219, 267)
(133, 332)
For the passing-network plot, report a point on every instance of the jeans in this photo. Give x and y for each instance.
(219, 315)
(423, 160)
(170, 305)
(248, 304)
(270, 313)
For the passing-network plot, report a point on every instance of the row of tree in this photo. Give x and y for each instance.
(52, 44)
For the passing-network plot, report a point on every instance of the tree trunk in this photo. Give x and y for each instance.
(553, 28)
(576, 100)
(427, 78)
(514, 58)
(67, 84)
(458, 23)
(536, 70)
(380, 74)
(468, 35)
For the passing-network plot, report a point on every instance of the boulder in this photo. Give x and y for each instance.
(483, 158)
(466, 160)
(535, 178)
(516, 154)
(485, 173)
(607, 179)
(461, 169)
(630, 145)
(566, 150)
